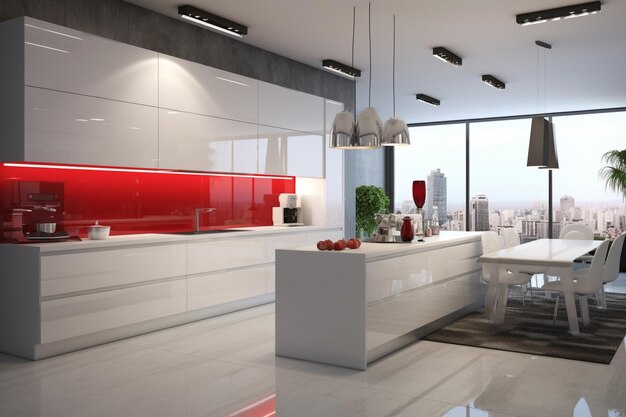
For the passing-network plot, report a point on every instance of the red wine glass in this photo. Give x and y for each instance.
(419, 193)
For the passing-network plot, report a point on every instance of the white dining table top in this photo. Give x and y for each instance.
(542, 252)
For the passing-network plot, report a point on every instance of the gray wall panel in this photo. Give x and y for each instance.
(106, 18)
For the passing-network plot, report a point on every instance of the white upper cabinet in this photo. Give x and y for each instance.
(76, 129)
(196, 88)
(203, 143)
(290, 109)
(290, 152)
(63, 59)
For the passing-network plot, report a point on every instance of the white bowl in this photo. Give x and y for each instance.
(98, 232)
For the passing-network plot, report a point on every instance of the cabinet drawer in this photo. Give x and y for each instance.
(283, 242)
(76, 316)
(66, 273)
(224, 254)
(224, 287)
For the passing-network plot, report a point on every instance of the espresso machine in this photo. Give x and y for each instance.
(289, 212)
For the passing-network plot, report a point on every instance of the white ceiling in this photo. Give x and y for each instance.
(585, 69)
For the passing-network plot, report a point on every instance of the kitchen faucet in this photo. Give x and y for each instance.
(196, 223)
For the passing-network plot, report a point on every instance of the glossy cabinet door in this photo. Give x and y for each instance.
(290, 109)
(203, 143)
(215, 255)
(209, 290)
(196, 88)
(63, 59)
(290, 152)
(76, 316)
(87, 271)
(333, 169)
(76, 129)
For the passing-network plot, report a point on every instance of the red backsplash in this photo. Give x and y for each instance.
(135, 201)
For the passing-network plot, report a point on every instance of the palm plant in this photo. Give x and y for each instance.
(615, 171)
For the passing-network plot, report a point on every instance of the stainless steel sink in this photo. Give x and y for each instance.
(206, 232)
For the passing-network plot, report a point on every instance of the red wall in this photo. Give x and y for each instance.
(136, 200)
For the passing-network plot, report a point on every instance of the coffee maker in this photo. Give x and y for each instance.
(289, 212)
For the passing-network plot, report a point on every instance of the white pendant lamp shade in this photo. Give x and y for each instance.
(343, 131)
(370, 129)
(396, 133)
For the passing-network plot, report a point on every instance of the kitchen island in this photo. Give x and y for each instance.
(352, 307)
(62, 296)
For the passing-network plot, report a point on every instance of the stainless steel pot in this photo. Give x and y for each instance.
(46, 227)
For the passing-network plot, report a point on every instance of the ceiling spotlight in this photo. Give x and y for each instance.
(342, 69)
(427, 99)
(543, 44)
(566, 12)
(212, 21)
(443, 54)
(494, 82)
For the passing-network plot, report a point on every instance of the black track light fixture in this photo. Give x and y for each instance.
(427, 99)
(447, 56)
(342, 69)
(493, 81)
(211, 21)
(566, 12)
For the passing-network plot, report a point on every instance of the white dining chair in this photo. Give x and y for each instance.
(578, 231)
(611, 267)
(511, 238)
(491, 242)
(586, 282)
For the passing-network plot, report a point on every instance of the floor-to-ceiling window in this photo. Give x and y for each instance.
(436, 155)
(504, 192)
(580, 194)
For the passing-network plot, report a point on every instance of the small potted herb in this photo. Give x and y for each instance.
(370, 200)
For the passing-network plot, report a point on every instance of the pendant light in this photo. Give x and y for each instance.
(369, 125)
(343, 130)
(395, 131)
(542, 146)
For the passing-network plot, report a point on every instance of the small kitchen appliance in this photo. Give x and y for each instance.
(289, 212)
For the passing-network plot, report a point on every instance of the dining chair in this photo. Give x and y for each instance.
(578, 231)
(511, 238)
(611, 267)
(586, 282)
(491, 242)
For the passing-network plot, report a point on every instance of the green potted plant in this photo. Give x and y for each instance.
(370, 200)
(614, 173)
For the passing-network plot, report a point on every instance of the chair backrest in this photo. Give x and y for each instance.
(593, 281)
(611, 267)
(576, 231)
(491, 242)
(511, 237)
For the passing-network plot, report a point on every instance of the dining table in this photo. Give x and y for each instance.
(554, 257)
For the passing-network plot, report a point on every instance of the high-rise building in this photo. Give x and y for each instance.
(566, 209)
(436, 196)
(480, 212)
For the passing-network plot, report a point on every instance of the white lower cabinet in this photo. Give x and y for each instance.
(93, 270)
(76, 316)
(214, 255)
(224, 287)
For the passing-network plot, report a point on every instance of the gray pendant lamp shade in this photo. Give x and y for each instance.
(343, 131)
(542, 146)
(396, 132)
(369, 129)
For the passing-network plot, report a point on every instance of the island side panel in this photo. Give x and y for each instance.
(320, 307)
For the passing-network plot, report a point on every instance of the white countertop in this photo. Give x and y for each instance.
(165, 238)
(378, 251)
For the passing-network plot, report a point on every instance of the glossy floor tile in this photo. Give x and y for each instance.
(226, 367)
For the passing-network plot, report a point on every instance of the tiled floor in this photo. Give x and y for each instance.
(226, 366)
